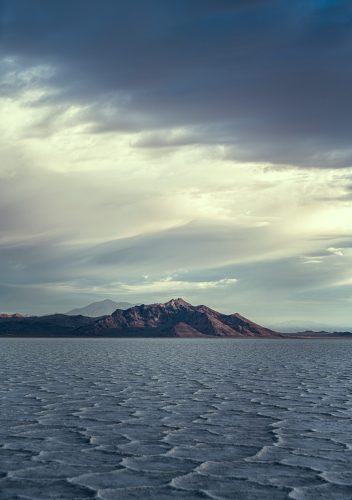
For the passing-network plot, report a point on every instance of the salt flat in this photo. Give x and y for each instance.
(175, 418)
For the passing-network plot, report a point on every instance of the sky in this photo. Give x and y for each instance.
(189, 148)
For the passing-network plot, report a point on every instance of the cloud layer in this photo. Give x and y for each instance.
(270, 80)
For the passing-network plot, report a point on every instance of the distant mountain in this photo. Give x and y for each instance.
(97, 309)
(294, 326)
(176, 318)
(320, 335)
(6, 315)
(42, 326)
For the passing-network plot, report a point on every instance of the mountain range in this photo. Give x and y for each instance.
(175, 318)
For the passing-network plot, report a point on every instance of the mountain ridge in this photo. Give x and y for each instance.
(176, 318)
(50, 325)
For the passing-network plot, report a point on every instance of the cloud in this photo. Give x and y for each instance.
(268, 80)
(336, 251)
(170, 286)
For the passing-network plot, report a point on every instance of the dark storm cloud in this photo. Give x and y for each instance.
(268, 79)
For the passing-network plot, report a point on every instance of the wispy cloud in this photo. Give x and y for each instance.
(169, 286)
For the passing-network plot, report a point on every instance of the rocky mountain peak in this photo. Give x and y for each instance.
(176, 318)
(178, 303)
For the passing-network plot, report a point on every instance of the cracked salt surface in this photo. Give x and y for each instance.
(184, 419)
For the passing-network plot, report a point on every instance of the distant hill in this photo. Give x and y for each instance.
(175, 318)
(41, 326)
(320, 334)
(97, 309)
(14, 315)
(294, 326)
